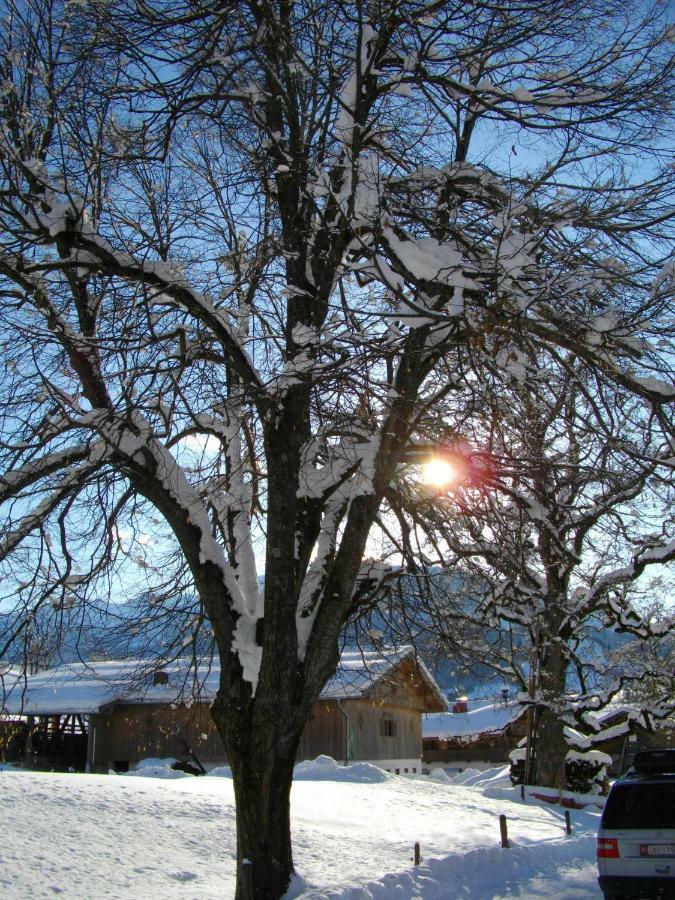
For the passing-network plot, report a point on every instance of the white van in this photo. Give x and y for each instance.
(636, 839)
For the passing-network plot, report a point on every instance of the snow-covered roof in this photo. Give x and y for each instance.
(359, 671)
(88, 687)
(481, 717)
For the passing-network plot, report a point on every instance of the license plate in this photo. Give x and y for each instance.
(657, 849)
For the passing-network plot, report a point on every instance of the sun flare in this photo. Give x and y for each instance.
(438, 472)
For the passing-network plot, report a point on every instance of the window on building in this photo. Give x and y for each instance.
(387, 728)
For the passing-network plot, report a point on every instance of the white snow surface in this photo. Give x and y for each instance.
(325, 768)
(119, 837)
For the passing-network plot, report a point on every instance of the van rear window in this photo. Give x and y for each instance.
(640, 806)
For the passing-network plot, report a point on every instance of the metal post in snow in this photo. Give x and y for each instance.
(568, 823)
(418, 857)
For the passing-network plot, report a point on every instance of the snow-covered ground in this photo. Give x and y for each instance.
(105, 836)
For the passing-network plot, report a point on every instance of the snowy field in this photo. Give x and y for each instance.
(146, 837)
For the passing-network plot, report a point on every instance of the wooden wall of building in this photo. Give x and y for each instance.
(378, 730)
(131, 732)
(405, 687)
(374, 730)
(372, 736)
(12, 738)
(325, 733)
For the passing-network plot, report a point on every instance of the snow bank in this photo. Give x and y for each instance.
(175, 839)
(466, 775)
(221, 772)
(440, 775)
(155, 767)
(157, 772)
(152, 762)
(488, 778)
(485, 872)
(324, 768)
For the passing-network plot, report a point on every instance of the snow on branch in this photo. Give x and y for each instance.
(14, 481)
(131, 440)
(601, 593)
(65, 223)
(70, 482)
(173, 288)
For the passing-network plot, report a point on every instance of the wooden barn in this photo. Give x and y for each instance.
(113, 714)
(476, 734)
(482, 733)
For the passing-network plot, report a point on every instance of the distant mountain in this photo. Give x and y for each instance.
(143, 628)
(133, 629)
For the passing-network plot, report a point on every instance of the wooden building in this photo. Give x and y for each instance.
(482, 734)
(476, 734)
(125, 711)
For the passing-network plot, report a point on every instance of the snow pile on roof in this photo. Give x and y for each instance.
(87, 687)
(7, 670)
(11, 679)
(324, 768)
(358, 671)
(482, 717)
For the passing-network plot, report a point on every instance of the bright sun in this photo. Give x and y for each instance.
(438, 472)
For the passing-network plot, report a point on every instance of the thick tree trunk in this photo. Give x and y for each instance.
(550, 750)
(264, 855)
(262, 755)
(550, 745)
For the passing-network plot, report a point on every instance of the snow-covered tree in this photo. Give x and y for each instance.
(577, 507)
(247, 249)
(650, 662)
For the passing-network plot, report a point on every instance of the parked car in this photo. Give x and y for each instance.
(636, 839)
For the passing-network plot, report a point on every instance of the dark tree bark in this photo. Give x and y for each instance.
(262, 766)
(551, 747)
